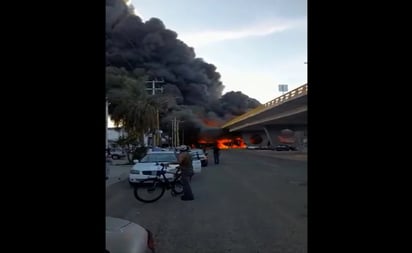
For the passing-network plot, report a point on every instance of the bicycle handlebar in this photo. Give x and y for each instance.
(164, 171)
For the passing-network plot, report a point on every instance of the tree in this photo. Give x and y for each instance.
(130, 105)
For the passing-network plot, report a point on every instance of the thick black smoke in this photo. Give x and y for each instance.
(234, 103)
(193, 83)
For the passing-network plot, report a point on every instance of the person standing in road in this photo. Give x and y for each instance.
(216, 154)
(186, 166)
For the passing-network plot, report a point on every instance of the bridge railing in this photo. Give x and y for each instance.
(301, 90)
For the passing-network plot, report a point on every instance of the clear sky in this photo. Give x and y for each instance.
(255, 45)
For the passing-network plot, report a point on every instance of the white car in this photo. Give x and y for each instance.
(148, 166)
(198, 154)
(252, 147)
(117, 153)
(123, 236)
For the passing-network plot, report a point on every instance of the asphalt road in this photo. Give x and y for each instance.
(252, 201)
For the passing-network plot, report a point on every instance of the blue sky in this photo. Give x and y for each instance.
(255, 45)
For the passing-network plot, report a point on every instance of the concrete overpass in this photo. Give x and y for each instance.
(267, 121)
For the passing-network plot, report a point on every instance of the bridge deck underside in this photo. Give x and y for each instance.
(292, 112)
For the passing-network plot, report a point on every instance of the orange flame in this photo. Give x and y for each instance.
(226, 143)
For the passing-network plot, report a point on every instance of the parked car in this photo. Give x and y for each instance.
(151, 163)
(124, 236)
(252, 147)
(117, 153)
(198, 154)
(285, 147)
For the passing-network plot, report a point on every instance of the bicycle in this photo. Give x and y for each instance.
(155, 187)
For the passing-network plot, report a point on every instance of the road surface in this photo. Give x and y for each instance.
(253, 201)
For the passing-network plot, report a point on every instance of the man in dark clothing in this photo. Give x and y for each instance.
(186, 166)
(216, 153)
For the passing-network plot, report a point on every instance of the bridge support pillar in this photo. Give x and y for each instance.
(269, 136)
(300, 135)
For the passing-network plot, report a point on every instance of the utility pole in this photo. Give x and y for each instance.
(175, 132)
(174, 136)
(183, 135)
(153, 89)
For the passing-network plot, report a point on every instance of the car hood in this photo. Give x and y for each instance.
(125, 236)
(115, 224)
(153, 166)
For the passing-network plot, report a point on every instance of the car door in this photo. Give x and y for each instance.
(197, 163)
(197, 166)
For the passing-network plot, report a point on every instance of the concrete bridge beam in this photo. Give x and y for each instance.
(269, 136)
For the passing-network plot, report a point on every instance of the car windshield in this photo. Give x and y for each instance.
(159, 157)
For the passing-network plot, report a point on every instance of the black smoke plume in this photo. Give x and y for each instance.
(192, 83)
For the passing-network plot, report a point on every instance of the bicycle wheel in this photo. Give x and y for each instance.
(177, 187)
(149, 190)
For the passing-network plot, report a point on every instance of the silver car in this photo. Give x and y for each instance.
(117, 153)
(123, 236)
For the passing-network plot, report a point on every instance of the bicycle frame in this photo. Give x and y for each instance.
(161, 174)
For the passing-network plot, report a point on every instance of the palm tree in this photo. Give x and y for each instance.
(130, 105)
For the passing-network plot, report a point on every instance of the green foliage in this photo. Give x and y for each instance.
(130, 105)
(139, 153)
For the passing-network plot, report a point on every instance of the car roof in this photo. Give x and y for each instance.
(161, 152)
(196, 150)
